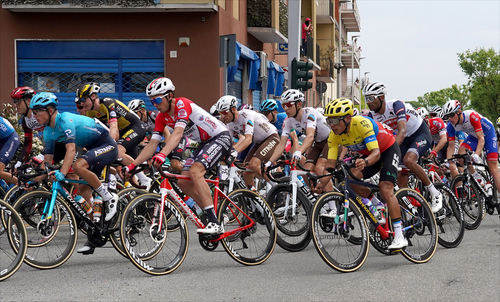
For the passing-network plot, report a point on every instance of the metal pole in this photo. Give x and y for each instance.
(339, 78)
(294, 33)
(226, 63)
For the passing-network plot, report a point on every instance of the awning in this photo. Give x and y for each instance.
(276, 78)
(243, 52)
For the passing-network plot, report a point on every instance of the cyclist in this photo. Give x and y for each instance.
(381, 154)
(125, 127)
(498, 132)
(147, 117)
(481, 136)
(191, 120)
(21, 96)
(269, 108)
(255, 129)
(310, 122)
(438, 132)
(412, 134)
(9, 142)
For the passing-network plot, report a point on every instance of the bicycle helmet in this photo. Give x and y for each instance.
(22, 92)
(268, 105)
(436, 110)
(245, 106)
(43, 99)
(225, 103)
(292, 95)
(159, 86)
(375, 88)
(355, 112)
(136, 105)
(498, 121)
(451, 106)
(422, 112)
(339, 107)
(86, 90)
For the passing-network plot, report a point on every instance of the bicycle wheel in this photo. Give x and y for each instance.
(293, 226)
(344, 249)
(11, 257)
(419, 226)
(52, 241)
(253, 245)
(124, 197)
(450, 219)
(471, 200)
(144, 243)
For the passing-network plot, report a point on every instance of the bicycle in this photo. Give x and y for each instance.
(52, 220)
(342, 242)
(150, 220)
(11, 257)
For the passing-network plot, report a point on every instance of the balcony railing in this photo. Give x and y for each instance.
(353, 94)
(324, 13)
(350, 16)
(350, 53)
(262, 23)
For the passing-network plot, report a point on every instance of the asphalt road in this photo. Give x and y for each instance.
(470, 272)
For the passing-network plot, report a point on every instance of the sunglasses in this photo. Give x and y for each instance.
(448, 116)
(38, 111)
(371, 98)
(16, 101)
(224, 112)
(157, 101)
(334, 120)
(288, 105)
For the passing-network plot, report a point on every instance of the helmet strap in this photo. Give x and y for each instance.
(296, 111)
(346, 126)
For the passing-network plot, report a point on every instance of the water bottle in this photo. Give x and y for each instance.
(86, 205)
(373, 210)
(190, 202)
(97, 208)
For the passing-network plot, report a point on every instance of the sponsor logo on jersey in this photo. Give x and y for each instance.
(182, 113)
(311, 117)
(180, 104)
(210, 122)
(250, 123)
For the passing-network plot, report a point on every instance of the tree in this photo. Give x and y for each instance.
(440, 97)
(482, 68)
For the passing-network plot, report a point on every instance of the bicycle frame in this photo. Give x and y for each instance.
(166, 190)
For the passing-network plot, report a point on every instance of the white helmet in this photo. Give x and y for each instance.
(159, 86)
(136, 105)
(213, 109)
(320, 110)
(375, 88)
(422, 112)
(451, 106)
(436, 109)
(292, 95)
(225, 103)
(355, 111)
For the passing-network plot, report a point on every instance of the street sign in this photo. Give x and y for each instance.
(283, 47)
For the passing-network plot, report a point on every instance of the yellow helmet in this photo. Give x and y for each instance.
(339, 107)
(86, 90)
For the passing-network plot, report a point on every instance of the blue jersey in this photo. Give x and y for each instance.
(461, 135)
(6, 128)
(73, 128)
(280, 118)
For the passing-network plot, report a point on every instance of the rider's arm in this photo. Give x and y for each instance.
(480, 142)
(400, 110)
(113, 128)
(173, 140)
(68, 158)
(147, 152)
(401, 132)
(28, 142)
(242, 144)
(308, 141)
(475, 121)
(441, 143)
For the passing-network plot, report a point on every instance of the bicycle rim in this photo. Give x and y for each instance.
(344, 249)
(450, 219)
(471, 201)
(11, 257)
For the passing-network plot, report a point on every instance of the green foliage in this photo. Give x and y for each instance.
(482, 68)
(440, 97)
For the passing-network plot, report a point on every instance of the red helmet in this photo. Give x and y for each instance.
(22, 92)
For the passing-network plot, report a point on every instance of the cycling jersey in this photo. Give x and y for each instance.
(28, 123)
(73, 128)
(280, 119)
(311, 118)
(437, 128)
(395, 111)
(251, 122)
(110, 108)
(364, 135)
(150, 123)
(198, 124)
(6, 128)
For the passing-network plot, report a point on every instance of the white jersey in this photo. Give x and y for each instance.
(32, 123)
(473, 122)
(395, 111)
(311, 118)
(254, 123)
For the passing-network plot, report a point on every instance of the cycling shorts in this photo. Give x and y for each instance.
(418, 143)
(490, 144)
(8, 147)
(318, 150)
(387, 165)
(264, 150)
(211, 152)
(442, 153)
(103, 152)
(131, 137)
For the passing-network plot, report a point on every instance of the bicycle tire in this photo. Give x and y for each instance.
(471, 200)
(333, 243)
(146, 253)
(12, 258)
(124, 197)
(242, 243)
(43, 253)
(420, 224)
(450, 219)
(293, 231)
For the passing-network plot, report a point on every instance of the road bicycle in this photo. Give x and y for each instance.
(343, 242)
(12, 250)
(156, 238)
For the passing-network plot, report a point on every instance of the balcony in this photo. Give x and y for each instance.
(268, 20)
(351, 54)
(349, 15)
(353, 94)
(327, 72)
(324, 12)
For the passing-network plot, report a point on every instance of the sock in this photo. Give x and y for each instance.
(396, 226)
(432, 190)
(104, 193)
(112, 182)
(332, 206)
(210, 212)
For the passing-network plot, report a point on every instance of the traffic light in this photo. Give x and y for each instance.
(301, 75)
